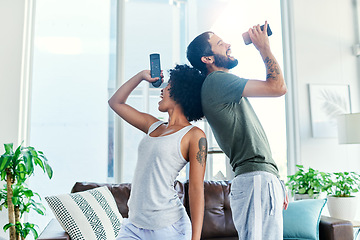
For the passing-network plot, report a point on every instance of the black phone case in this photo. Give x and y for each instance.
(155, 68)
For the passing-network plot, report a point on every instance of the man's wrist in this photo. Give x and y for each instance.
(266, 52)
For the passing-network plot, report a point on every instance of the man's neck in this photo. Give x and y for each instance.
(215, 68)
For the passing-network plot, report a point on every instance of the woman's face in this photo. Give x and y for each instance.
(166, 101)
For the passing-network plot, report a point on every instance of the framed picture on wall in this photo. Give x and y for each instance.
(326, 103)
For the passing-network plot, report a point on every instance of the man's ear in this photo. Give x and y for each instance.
(207, 59)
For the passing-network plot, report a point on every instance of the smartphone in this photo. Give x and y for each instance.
(155, 68)
(247, 38)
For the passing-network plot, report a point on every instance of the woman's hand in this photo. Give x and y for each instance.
(146, 75)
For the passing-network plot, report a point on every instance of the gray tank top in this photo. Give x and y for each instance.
(154, 202)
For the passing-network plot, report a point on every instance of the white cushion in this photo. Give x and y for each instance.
(88, 215)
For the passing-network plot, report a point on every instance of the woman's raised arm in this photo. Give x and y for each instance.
(117, 102)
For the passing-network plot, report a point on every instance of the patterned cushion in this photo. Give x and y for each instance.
(88, 215)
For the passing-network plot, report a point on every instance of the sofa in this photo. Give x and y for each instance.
(218, 224)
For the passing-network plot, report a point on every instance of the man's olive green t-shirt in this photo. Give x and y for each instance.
(235, 125)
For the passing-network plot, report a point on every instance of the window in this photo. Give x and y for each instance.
(71, 70)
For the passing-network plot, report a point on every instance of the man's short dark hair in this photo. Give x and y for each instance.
(185, 89)
(198, 48)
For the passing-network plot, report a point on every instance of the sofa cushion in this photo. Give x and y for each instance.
(120, 192)
(89, 215)
(301, 219)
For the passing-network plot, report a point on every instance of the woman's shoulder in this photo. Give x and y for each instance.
(196, 132)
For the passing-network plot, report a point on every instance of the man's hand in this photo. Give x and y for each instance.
(259, 37)
(286, 201)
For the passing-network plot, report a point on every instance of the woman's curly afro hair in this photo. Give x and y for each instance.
(185, 89)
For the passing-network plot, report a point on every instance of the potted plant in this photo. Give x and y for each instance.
(340, 187)
(305, 184)
(15, 168)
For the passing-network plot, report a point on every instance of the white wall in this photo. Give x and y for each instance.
(11, 41)
(324, 34)
(11, 25)
(323, 54)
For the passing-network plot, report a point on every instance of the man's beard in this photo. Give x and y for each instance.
(225, 62)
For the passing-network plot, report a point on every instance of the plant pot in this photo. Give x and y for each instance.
(342, 207)
(305, 196)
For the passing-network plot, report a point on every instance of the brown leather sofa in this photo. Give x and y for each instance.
(218, 224)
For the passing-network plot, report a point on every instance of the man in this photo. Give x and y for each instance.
(257, 195)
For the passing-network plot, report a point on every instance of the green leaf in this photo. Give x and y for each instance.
(7, 226)
(34, 232)
(49, 170)
(3, 175)
(8, 148)
(21, 172)
(4, 162)
(302, 190)
(42, 156)
(38, 162)
(33, 152)
(311, 192)
(28, 162)
(15, 201)
(37, 195)
(39, 211)
(28, 193)
(31, 227)
(17, 153)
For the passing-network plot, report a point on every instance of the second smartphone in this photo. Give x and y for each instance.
(247, 38)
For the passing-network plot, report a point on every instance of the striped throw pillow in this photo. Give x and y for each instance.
(88, 215)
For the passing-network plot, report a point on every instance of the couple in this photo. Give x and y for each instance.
(257, 196)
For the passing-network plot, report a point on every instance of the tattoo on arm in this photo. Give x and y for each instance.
(202, 153)
(272, 68)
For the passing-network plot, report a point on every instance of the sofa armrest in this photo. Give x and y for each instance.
(332, 229)
(53, 231)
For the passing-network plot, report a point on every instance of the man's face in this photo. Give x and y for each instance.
(222, 51)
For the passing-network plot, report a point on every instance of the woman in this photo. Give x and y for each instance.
(155, 210)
